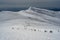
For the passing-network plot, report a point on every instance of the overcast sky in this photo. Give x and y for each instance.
(27, 3)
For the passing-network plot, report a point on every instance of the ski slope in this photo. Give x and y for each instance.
(31, 24)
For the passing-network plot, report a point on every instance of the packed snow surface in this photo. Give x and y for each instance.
(31, 24)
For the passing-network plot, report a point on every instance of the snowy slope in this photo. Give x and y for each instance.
(30, 24)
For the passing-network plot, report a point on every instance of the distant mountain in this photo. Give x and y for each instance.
(18, 9)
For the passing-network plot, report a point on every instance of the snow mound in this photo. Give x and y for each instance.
(31, 24)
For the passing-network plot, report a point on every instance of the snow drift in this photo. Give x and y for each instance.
(31, 24)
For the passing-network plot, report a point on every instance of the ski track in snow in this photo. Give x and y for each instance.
(30, 24)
